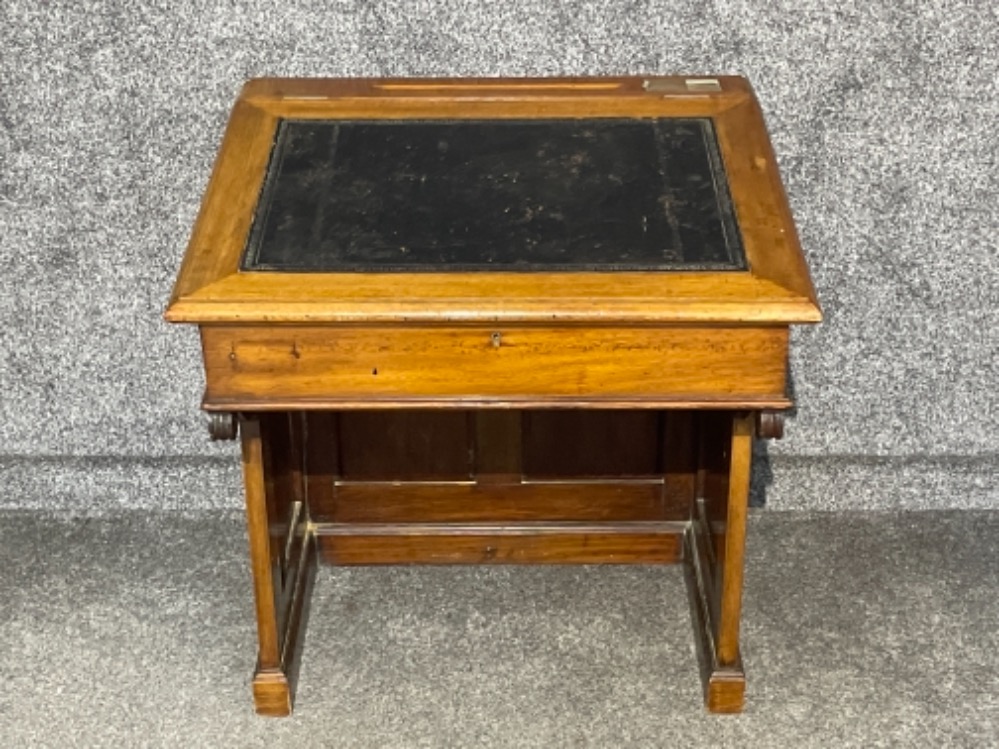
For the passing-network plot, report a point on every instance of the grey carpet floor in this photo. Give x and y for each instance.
(860, 629)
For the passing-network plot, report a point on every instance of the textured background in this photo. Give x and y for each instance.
(883, 113)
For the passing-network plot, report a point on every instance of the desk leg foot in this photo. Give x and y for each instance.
(272, 694)
(726, 691)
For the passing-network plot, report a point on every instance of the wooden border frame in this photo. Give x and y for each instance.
(776, 290)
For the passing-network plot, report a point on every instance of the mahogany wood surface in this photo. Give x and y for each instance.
(496, 417)
(591, 444)
(357, 365)
(404, 446)
(737, 503)
(282, 555)
(498, 450)
(713, 552)
(453, 502)
(775, 290)
(678, 456)
(261, 554)
(322, 464)
(590, 544)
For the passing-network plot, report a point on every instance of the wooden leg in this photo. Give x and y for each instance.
(714, 551)
(282, 552)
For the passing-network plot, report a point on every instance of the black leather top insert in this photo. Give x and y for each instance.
(480, 195)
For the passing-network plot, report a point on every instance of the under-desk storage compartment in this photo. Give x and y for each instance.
(499, 466)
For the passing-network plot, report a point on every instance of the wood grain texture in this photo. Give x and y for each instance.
(495, 502)
(726, 691)
(591, 298)
(297, 617)
(367, 364)
(282, 553)
(322, 467)
(776, 290)
(464, 100)
(282, 500)
(404, 446)
(592, 544)
(678, 457)
(591, 444)
(498, 452)
(709, 347)
(554, 403)
(261, 555)
(710, 508)
(740, 466)
(768, 232)
(714, 546)
(269, 90)
(724, 686)
(274, 689)
(227, 207)
(770, 425)
(272, 694)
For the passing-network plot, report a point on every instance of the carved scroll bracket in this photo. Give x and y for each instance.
(770, 425)
(222, 425)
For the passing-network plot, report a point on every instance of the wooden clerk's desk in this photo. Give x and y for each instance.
(495, 321)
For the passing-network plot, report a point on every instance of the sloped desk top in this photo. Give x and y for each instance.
(648, 201)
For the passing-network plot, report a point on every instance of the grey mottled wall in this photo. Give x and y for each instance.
(884, 115)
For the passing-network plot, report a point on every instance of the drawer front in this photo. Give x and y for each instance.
(369, 366)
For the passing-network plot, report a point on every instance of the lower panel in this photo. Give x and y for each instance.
(498, 503)
(483, 545)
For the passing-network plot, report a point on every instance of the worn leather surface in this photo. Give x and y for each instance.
(506, 195)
